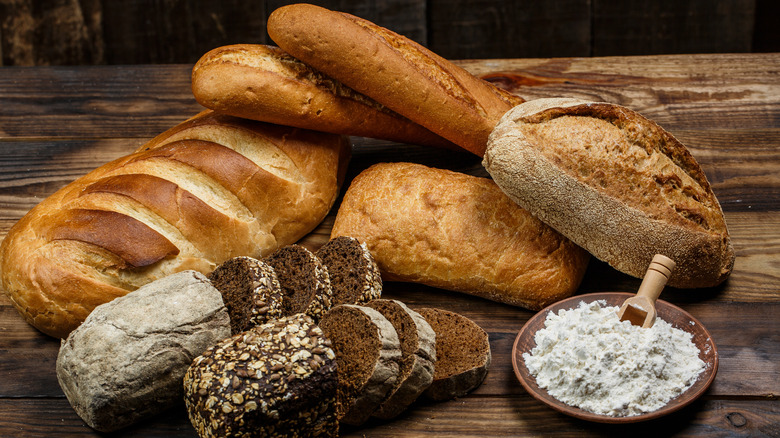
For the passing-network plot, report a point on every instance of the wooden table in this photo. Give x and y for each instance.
(59, 123)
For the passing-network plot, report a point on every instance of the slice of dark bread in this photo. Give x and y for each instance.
(250, 290)
(304, 280)
(276, 379)
(418, 356)
(368, 353)
(462, 354)
(354, 275)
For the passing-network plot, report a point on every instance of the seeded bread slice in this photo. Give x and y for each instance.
(304, 279)
(276, 379)
(462, 354)
(368, 353)
(418, 349)
(354, 275)
(250, 290)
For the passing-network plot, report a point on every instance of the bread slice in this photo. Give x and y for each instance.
(276, 379)
(304, 280)
(368, 353)
(251, 292)
(615, 183)
(418, 350)
(354, 275)
(462, 354)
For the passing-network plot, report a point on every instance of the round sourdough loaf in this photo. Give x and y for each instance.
(354, 275)
(463, 354)
(368, 353)
(208, 189)
(276, 379)
(615, 183)
(251, 292)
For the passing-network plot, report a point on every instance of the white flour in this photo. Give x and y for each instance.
(587, 357)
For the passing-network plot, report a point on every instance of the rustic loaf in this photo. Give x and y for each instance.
(368, 352)
(418, 356)
(616, 184)
(276, 379)
(211, 188)
(393, 70)
(457, 232)
(463, 354)
(261, 82)
(127, 360)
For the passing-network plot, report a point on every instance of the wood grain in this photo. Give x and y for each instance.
(58, 123)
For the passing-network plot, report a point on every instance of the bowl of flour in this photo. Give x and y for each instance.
(577, 357)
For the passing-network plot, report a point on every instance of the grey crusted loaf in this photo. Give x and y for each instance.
(304, 280)
(462, 354)
(616, 184)
(128, 358)
(353, 273)
(418, 350)
(276, 379)
(368, 353)
(250, 290)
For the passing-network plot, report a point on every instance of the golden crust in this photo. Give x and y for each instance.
(615, 183)
(208, 189)
(458, 232)
(393, 70)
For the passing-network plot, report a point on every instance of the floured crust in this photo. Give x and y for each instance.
(616, 184)
(393, 70)
(208, 189)
(457, 232)
(265, 83)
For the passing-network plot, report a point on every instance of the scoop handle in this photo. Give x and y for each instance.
(658, 273)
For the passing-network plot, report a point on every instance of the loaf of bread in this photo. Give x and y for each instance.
(126, 362)
(275, 380)
(212, 188)
(616, 184)
(458, 232)
(393, 70)
(261, 82)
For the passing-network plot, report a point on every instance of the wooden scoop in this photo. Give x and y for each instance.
(640, 309)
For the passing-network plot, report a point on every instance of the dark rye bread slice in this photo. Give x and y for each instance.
(418, 356)
(462, 354)
(368, 353)
(276, 379)
(354, 275)
(250, 290)
(304, 280)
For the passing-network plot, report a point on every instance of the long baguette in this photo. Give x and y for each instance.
(616, 184)
(211, 188)
(393, 70)
(261, 82)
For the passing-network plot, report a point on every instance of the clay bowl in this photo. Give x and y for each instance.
(678, 318)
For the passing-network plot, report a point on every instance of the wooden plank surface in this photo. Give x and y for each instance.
(57, 123)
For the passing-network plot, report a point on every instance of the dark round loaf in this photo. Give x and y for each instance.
(276, 379)
(354, 275)
(250, 290)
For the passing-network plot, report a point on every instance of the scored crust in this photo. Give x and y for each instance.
(616, 184)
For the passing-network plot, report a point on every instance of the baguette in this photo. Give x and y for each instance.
(457, 232)
(393, 70)
(261, 82)
(207, 190)
(616, 184)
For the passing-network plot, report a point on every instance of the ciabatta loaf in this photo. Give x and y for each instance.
(209, 189)
(457, 232)
(393, 70)
(616, 184)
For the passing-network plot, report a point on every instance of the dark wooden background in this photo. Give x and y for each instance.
(95, 32)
